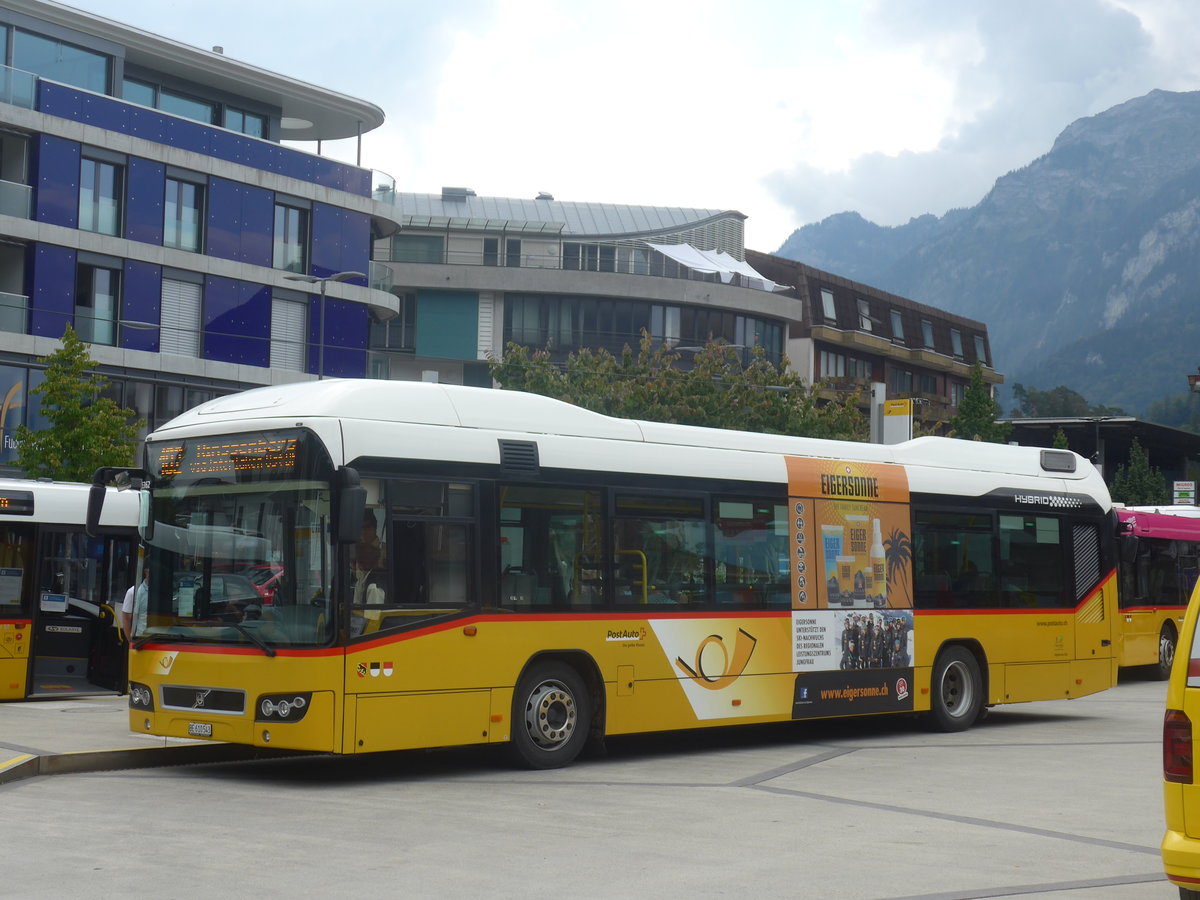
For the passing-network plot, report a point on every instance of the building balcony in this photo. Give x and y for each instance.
(16, 200)
(14, 313)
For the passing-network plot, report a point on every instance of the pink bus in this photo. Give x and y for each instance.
(1159, 561)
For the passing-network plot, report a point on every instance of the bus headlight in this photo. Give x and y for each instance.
(282, 707)
(140, 697)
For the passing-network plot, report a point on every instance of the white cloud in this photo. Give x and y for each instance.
(788, 110)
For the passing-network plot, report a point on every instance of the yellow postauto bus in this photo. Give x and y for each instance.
(451, 565)
(61, 590)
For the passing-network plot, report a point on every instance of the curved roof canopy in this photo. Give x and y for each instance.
(310, 113)
(461, 208)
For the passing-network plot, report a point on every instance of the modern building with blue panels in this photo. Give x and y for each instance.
(146, 200)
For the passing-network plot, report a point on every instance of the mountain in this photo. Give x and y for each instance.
(1084, 264)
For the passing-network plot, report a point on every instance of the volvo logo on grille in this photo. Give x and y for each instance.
(209, 699)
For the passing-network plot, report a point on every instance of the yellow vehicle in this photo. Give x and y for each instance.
(1181, 794)
(456, 565)
(61, 590)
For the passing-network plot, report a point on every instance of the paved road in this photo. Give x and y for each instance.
(1058, 800)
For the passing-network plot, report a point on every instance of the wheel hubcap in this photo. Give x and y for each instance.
(550, 715)
(956, 689)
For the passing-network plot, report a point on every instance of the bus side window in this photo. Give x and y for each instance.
(551, 547)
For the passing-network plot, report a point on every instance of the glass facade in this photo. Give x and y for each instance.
(571, 323)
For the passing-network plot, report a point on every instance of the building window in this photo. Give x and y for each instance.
(16, 195)
(957, 392)
(833, 365)
(837, 365)
(900, 381)
(512, 252)
(14, 304)
(664, 324)
(956, 343)
(491, 251)
(97, 292)
(418, 248)
(180, 330)
(927, 333)
(140, 92)
(289, 321)
(248, 123)
(399, 332)
(827, 307)
(927, 384)
(291, 238)
(186, 107)
(183, 215)
(864, 314)
(100, 189)
(897, 326)
(980, 350)
(594, 258)
(60, 61)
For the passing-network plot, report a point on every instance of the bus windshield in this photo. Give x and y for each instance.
(238, 548)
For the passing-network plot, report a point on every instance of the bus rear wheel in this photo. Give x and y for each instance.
(1166, 652)
(956, 691)
(551, 716)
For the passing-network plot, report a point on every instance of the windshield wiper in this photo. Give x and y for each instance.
(147, 636)
(249, 632)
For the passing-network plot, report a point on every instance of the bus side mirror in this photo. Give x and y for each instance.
(352, 506)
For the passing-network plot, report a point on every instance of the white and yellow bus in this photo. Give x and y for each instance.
(451, 565)
(61, 590)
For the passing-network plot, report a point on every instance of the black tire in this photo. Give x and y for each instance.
(551, 716)
(1166, 653)
(1188, 894)
(956, 692)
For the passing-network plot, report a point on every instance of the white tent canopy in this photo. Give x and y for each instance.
(716, 262)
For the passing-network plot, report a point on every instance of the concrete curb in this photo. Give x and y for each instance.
(28, 765)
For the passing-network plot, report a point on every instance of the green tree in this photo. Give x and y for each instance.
(86, 430)
(717, 392)
(1060, 441)
(1139, 483)
(978, 412)
(1056, 403)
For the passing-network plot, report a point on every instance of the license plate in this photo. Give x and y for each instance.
(199, 729)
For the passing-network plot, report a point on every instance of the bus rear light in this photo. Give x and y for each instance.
(1177, 747)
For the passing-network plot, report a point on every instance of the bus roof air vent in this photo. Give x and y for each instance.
(518, 458)
(1058, 461)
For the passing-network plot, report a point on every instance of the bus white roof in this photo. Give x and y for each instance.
(65, 503)
(516, 415)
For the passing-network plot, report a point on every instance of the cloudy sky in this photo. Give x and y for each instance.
(787, 110)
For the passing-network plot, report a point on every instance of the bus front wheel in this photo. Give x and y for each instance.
(551, 716)
(1166, 652)
(956, 691)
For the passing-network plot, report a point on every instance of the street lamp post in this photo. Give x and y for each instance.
(313, 279)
